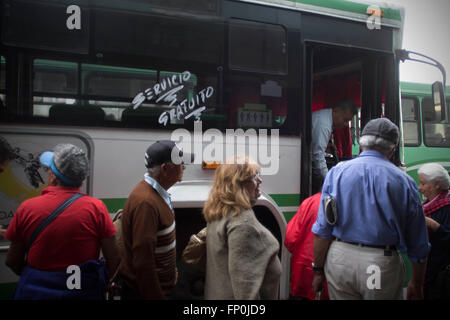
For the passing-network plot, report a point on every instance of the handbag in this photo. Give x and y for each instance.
(194, 253)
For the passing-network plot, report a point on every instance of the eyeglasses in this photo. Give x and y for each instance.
(256, 177)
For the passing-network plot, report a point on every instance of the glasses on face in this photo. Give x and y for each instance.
(45, 168)
(256, 177)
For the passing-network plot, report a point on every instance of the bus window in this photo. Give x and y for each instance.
(51, 79)
(256, 103)
(104, 84)
(111, 81)
(436, 132)
(410, 121)
(258, 47)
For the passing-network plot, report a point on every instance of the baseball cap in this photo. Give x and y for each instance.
(383, 128)
(164, 151)
(68, 162)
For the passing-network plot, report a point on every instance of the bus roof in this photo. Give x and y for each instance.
(340, 8)
(353, 10)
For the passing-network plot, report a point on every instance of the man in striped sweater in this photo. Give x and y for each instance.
(148, 267)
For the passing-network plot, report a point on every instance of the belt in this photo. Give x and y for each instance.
(384, 247)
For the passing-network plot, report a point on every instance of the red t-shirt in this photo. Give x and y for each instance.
(71, 239)
(300, 242)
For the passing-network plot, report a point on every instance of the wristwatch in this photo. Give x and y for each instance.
(318, 269)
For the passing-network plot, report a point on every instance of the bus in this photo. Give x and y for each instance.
(426, 135)
(425, 129)
(229, 76)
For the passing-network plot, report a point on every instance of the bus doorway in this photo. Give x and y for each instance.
(364, 76)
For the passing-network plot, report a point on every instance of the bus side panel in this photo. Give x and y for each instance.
(24, 178)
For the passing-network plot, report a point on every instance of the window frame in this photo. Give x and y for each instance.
(417, 105)
(260, 71)
(428, 98)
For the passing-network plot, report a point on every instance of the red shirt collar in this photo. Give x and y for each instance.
(55, 189)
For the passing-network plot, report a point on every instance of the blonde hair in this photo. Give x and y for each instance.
(228, 195)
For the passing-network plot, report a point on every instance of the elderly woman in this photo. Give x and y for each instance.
(242, 255)
(434, 185)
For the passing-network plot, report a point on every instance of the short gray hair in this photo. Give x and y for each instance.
(72, 162)
(154, 171)
(435, 173)
(372, 142)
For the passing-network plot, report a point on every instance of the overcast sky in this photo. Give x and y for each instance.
(426, 30)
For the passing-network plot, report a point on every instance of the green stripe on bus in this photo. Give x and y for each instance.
(351, 6)
(288, 215)
(114, 204)
(286, 200)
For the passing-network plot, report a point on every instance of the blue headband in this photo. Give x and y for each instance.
(47, 160)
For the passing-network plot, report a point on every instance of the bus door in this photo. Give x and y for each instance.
(362, 75)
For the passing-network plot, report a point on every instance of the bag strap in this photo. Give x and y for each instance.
(52, 216)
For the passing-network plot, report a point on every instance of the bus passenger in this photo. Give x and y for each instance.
(434, 185)
(377, 212)
(324, 121)
(6, 154)
(148, 267)
(242, 255)
(300, 243)
(48, 261)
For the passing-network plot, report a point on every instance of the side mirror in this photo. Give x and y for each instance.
(437, 89)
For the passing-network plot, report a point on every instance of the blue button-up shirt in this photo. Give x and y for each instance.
(161, 191)
(377, 204)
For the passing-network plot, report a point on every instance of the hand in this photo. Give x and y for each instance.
(414, 291)
(432, 224)
(318, 280)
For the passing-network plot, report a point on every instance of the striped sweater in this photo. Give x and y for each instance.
(149, 255)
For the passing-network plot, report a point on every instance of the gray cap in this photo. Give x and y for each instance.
(382, 128)
(68, 162)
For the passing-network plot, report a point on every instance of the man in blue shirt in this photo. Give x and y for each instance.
(377, 213)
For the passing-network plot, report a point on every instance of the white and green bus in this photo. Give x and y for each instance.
(115, 76)
(426, 129)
